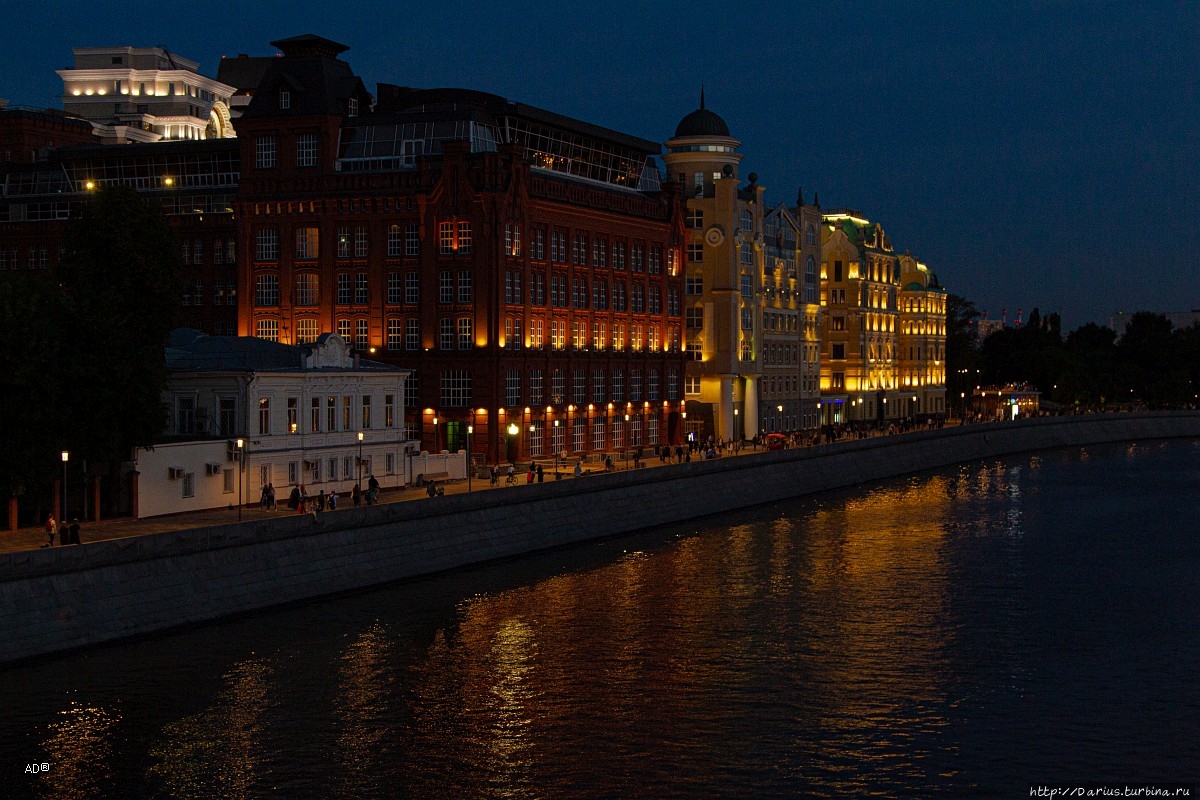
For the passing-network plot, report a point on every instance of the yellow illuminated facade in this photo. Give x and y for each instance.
(922, 337)
(860, 287)
(723, 276)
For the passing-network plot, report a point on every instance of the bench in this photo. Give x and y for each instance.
(424, 478)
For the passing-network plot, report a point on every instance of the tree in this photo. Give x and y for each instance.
(962, 352)
(120, 283)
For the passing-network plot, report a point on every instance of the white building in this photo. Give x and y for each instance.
(311, 415)
(145, 94)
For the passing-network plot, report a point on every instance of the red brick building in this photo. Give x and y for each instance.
(524, 264)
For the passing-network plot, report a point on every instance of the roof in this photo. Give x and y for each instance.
(701, 122)
(194, 351)
(318, 83)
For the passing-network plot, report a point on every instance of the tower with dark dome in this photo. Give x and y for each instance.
(723, 275)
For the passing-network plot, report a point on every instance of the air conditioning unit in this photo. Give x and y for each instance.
(212, 469)
(175, 473)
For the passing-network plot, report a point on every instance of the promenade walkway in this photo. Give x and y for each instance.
(121, 527)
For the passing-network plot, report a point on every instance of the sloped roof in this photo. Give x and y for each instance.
(194, 351)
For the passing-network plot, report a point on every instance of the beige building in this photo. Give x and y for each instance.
(922, 338)
(723, 304)
(145, 94)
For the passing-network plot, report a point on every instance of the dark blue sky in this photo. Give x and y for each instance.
(1032, 153)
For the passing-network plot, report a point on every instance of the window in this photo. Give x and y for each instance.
(395, 333)
(464, 237)
(512, 333)
(512, 287)
(189, 484)
(344, 330)
(307, 331)
(395, 292)
(264, 152)
(264, 415)
(747, 319)
(360, 242)
(618, 255)
(558, 334)
(537, 249)
(394, 242)
(599, 253)
(446, 333)
(389, 411)
(466, 338)
(747, 220)
(331, 416)
(695, 252)
(537, 290)
(456, 389)
(838, 351)
(600, 294)
(306, 289)
(656, 259)
(412, 334)
(361, 334)
(266, 290)
(512, 388)
(185, 416)
(695, 218)
(579, 247)
(512, 239)
(285, 99)
(267, 244)
(343, 289)
(558, 291)
(618, 386)
(694, 285)
(618, 297)
(412, 288)
(362, 292)
(306, 150)
(691, 384)
(464, 286)
(747, 284)
(558, 386)
(535, 387)
(537, 334)
(366, 411)
(653, 386)
(558, 247)
(695, 318)
(267, 329)
(306, 243)
(579, 334)
(445, 286)
(579, 293)
(412, 240)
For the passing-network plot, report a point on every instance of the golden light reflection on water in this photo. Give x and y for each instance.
(79, 749)
(366, 688)
(215, 753)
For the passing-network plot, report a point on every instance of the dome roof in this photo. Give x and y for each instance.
(701, 122)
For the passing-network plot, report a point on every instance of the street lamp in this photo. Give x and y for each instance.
(554, 445)
(470, 431)
(436, 449)
(241, 443)
(65, 457)
(360, 441)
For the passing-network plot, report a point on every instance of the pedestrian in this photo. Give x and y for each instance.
(271, 497)
(541, 474)
(321, 501)
(51, 529)
(264, 499)
(74, 532)
(579, 468)
(356, 495)
(333, 501)
(303, 500)
(431, 489)
(373, 485)
(294, 498)
(529, 477)
(496, 474)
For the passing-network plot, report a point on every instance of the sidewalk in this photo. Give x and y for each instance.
(121, 527)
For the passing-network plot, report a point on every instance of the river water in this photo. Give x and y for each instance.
(973, 632)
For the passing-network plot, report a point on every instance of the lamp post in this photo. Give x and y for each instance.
(470, 431)
(360, 441)
(65, 457)
(554, 444)
(241, 443)
(436, 449)
(779, 408)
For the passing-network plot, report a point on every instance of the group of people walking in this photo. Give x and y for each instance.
(302, 503)
(67, 533)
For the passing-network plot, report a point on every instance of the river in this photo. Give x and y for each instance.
(973, 632)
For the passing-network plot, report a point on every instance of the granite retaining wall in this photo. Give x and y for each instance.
(58, 599)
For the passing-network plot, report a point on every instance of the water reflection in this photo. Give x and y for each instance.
(217, 752)
(79, 749)
(362, 711)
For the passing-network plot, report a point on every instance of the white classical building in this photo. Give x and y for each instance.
(145, 94)
(245, 413)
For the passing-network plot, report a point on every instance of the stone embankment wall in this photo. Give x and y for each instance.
(61, 598)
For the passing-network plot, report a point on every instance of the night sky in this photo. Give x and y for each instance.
(1032, 154)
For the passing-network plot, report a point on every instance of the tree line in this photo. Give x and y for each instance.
(1148, 365)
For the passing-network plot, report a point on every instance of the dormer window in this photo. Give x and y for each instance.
(352, 107)
(285, 99)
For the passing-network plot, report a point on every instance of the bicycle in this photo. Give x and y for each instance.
(511, 480)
